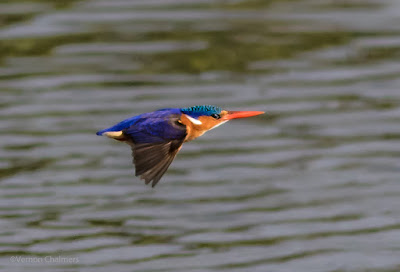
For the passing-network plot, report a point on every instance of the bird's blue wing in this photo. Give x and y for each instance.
(156, 127)
(155, 139)
(151, 127)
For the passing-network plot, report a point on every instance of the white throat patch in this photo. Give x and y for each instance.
(218, 124)
(194, 120)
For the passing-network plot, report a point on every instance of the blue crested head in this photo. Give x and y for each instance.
(202, 110)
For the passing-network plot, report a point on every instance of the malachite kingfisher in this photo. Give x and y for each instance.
(156, 137)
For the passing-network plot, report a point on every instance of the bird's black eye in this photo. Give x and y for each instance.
(215, 116)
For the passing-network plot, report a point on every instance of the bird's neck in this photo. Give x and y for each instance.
(192, 130)
(195, 130)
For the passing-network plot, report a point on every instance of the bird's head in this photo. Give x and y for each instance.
(207, 117)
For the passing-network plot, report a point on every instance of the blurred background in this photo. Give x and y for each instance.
(313, 185)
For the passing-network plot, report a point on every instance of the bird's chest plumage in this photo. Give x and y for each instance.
(192, 130)
(195, 130)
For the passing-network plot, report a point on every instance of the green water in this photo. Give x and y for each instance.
(313, 185)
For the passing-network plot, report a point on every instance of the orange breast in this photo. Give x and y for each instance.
(195, 130)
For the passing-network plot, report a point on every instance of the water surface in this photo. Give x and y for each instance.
(311, 186)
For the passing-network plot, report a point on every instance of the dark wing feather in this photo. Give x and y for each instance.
(155, 141)
(152, 160)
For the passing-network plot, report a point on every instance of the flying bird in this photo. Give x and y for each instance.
(156, 137)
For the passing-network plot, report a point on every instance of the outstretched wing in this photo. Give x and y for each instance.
(152, 160)
(155, 141)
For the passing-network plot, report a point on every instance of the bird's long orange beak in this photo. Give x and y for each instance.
(241, 114)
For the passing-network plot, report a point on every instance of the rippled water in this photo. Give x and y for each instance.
(311, 186)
